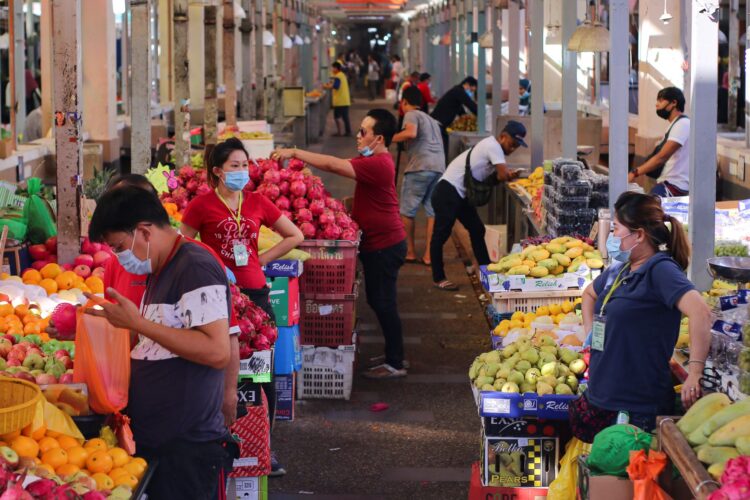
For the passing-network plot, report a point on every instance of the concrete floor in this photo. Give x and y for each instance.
(423, 446)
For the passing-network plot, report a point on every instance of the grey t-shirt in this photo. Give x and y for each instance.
(426, 150)
(171, 397)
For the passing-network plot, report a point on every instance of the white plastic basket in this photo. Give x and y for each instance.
(510, 302)
(326, 373)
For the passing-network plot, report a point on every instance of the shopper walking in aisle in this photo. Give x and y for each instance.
(421, 133)
(341, 100)
(373, 76)
(466, 184)
(633, 311)
(524, 94)
(397, 73)
(376, 210)
(456, 102)
(177, 367)
(228, 220)
(426, 89)
(669, 163)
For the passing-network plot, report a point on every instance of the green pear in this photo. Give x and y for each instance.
(549, 341)
(482, 357)
(567, 356)
(564, 370)
(563, 389)
(516, 377)
(543, 388)
(503, 372)
(577, 366)
(532, 375)
(528, 387)
(547, 379)
(572, 381)
(515, 358)
(510, 350)
(549, 349)
(492, 369)
(482, 371)
(552, 369)
(474, 369)
(523, 366)
(493, 357)
(499, 383)
(487, 387)
(510, 387)
(531, 355)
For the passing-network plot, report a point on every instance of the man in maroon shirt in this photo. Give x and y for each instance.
(376, 210)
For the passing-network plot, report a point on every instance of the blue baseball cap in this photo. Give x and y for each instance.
(517, 131)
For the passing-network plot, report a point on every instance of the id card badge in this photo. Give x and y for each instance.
(597, 332)
(241, 256)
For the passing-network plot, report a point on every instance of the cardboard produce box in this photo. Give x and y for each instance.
(495, 237)
(478, 491)
(284, 297)
(285, 387)
(519, 461)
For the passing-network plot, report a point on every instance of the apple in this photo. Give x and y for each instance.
(35, 350)
(25, 345)
(98, 272)
(84, 260)
(82, 270)
(51, 245)
(3, 364)
(9, 457)
(16, 355)
(52, 258)
(39, 264)
(67, 361)
(38, 252)
(5, 347)
(28, 377)
(9, 337)
(89, 247)
(67, 267)
(66, 378)
(13, 363)
(33, 361)
(61, 353)
(101, 257)
(45, 379)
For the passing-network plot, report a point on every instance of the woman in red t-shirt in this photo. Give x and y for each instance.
(228, 220)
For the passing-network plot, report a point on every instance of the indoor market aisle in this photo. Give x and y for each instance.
(424, 444)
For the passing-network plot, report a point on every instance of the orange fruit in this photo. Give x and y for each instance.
(51, 271)
(47, 443)
(103, 481)
(37, 461)
(140, 460)
(98, 444)
(67, 442)
(22, 310)
(126, 480)
(99, 461)
(31, 276)
(32, 328)
(10, 436)
(95, 283)
(36, 434)
(25, 446)
(67, 470)
(77, 455)
(6, 308)
(55, 457)
(49, 285)
(117, 471)
(119, 456)
(53, 434)
(66, 280)
(46, 467)
(135, 468)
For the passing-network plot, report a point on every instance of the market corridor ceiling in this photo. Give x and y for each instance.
(374, 9)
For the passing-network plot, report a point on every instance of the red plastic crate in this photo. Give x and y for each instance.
(331, 268)
(328, 320)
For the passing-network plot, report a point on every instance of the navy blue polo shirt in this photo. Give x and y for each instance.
(642, 324)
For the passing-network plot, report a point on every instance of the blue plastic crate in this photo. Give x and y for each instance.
(288, 357)
(496, 317)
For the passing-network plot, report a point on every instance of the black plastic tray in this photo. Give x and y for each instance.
(140, 491)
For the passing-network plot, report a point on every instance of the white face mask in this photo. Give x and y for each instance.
(133, 264)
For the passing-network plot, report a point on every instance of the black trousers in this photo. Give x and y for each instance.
(342, 112)
(381, 274)
(449, 206)
(259, 297)
(444, 134)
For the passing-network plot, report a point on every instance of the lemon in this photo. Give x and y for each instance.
(555, 309)
(542, 311)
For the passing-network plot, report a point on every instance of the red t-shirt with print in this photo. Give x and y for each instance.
(218, 229)
(376, 207)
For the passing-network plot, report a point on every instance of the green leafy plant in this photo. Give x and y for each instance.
(96, 186)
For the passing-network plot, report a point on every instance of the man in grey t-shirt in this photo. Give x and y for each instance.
(426, 166)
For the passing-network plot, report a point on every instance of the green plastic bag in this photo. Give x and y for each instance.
(40, 220)
(610, 451)
(13, 218)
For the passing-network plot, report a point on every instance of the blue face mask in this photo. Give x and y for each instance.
(526, 95)
(469, 93)
(133, 264)
(366, 151)
(236, 181)
(614, 250)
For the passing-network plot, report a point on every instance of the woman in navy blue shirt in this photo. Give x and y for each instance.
(633, 310)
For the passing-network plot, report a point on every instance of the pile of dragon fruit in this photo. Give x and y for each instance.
(299, 195)
(257, 331)
(735, 480)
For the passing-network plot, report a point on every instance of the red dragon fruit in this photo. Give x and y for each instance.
(284, 174)
(245, 351)
(261, 343)
(270, 191)
(269, 332)
(304, 215)
(297, 177)
(297, 188)
(186, 172)
(203, 189)
(315, 192)
(326, 218)
(308, 230)
(317, 207)
(349, 234)
(296, 164)
(41, 488)
(283, 203)
(299, 203)
(192, 186)
(272, 177)
(331, 232)
(343, 220)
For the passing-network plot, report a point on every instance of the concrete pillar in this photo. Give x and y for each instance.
(569, 85)
(537, 77)
(181, 83)
(45, 39)
(454, 24)
(248, 61)
(460, 40)
(619, 71)
(99, 82)
(140, 117)
(497, 65)
(230, 81)
(66, 48)
(704, 34)
(166, 51)
(734, 63)
(125, 59)
(514, 47)
(746, 62)
(196, 44)
(482, 67)
(210, 111)
(260, 25)
(17, 60)
(470, 25)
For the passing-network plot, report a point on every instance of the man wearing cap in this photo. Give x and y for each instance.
(424, 88)
(449, 200)
(456, 102)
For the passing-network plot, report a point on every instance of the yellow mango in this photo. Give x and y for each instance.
(548, 263)
(523, 270)
(573, 243)
(556, 248)
(539, 272)
(574, 252)
(540, 254)
(594, 263)
(495, 267)
(557, 270)
(529, 262)
(562, 259)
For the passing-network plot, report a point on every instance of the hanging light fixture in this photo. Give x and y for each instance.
(553, 29)
(590, 36)
(666, 17)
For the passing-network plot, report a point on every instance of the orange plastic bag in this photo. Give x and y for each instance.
(644, 472)
(102, 361)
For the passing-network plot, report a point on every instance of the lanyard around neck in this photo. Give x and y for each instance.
(237, 216)
(614, 287)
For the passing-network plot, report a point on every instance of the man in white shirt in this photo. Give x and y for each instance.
(672, 153)
(449, 199)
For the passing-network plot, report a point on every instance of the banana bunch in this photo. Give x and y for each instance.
(268, 238)
(561, 255)
(533, 184)
(718, 430)
(720, 288)
(683, 340)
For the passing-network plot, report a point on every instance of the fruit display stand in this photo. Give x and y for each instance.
(521, 220)
(684, 458)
